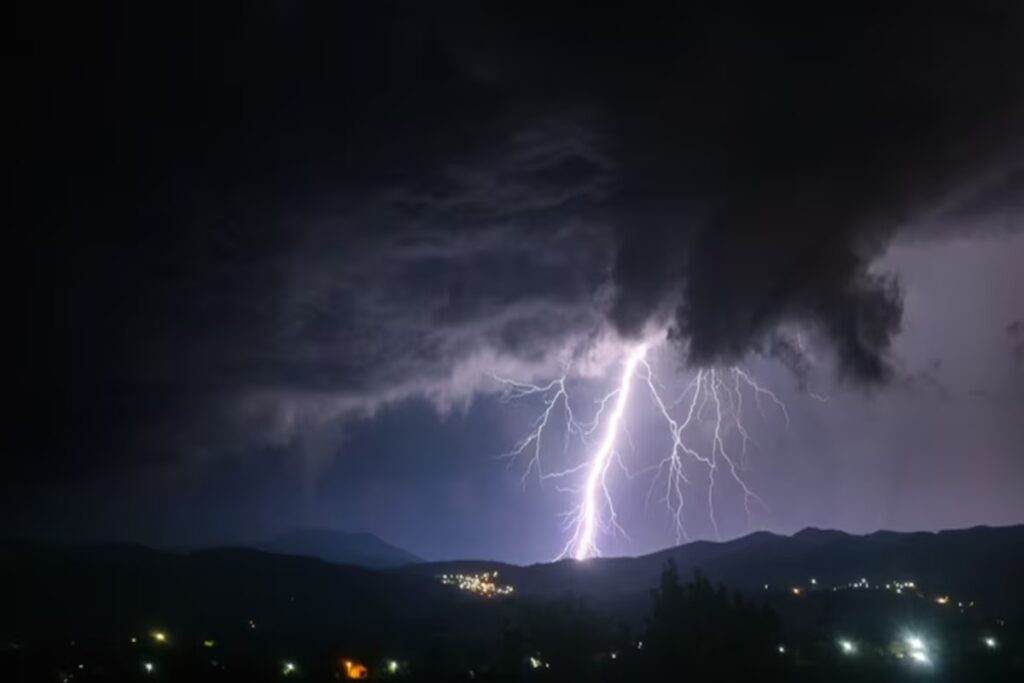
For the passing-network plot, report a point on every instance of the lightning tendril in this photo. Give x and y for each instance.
(714, 396)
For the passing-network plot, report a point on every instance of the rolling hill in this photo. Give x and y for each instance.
(361, 549)
(981, 564)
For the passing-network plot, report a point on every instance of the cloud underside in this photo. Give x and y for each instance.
(337, 208)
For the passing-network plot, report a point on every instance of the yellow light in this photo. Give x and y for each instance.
(288, 668)
(159, 636)
(208, 643)
(795, 590)
(942, 599)
(392, 666)
(484, 584)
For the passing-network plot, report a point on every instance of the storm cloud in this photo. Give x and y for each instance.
(234, 226)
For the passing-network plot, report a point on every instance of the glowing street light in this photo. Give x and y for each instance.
(847, 647)
(288, 668)
(148, 667)
(159, 636)
(914, 643)
(918, 654)
(990, 642)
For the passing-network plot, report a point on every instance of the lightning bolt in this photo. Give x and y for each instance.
(714, 395)
(598, 468)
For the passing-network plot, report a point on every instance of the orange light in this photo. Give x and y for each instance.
(354, 670)
(942, 599)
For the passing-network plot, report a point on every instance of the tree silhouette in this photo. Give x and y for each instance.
(706, 634)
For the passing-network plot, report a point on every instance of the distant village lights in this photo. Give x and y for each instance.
(484, 584)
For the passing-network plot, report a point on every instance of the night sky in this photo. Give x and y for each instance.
(265, 261)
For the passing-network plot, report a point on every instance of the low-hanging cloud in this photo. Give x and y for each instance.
(308, 212)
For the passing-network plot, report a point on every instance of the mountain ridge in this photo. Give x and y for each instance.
(978, 562)
(338, 547)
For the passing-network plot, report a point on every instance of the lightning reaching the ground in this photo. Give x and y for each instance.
(598, 467)
(714, 397)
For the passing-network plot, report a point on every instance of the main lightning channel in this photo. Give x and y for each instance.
(595, 483)
(714, 396)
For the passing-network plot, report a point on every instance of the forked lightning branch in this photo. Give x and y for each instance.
(715, 397)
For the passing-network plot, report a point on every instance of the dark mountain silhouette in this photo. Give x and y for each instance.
(361, 549)
(130, 588)
(112, 590)
(981, 564)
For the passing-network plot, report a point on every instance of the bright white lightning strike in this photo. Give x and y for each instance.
(599, 465)
(713, 394)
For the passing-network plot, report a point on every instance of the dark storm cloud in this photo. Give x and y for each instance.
(802, 140)
(234, 224)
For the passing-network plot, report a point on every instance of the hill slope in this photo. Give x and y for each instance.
(130, 589)
(361, 549)
(982, 564)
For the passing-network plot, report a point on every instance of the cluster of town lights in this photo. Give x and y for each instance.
(484, 583)
(897, 587)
